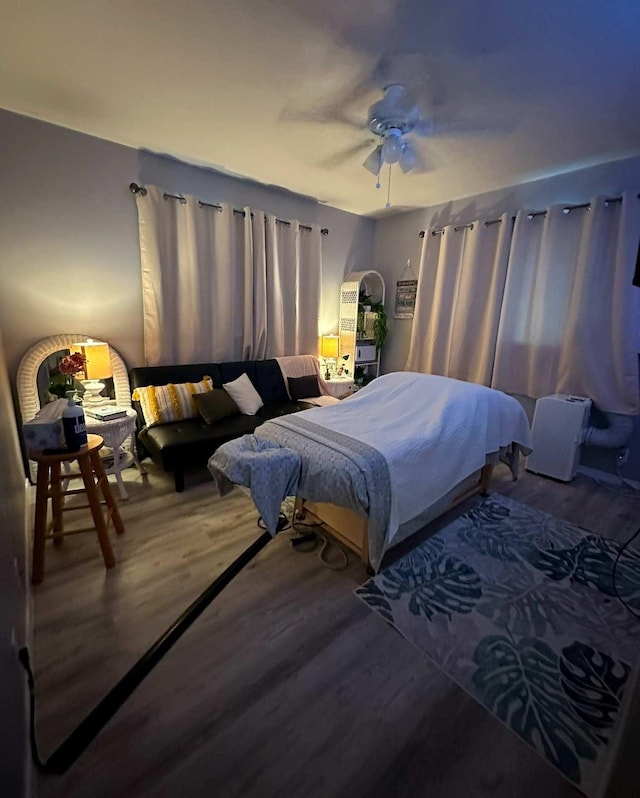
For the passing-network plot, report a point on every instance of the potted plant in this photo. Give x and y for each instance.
(361, 377)
(379, 325)
(367, 305)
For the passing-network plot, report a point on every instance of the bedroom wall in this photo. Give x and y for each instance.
(14, 758)
(70, 260)
(397, 239)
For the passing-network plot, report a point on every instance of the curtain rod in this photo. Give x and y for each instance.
(567, 209)
(134, 188)
(439, 230)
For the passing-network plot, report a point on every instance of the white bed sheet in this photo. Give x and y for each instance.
(432, 431)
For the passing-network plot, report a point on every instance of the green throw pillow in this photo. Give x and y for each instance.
(215, 405)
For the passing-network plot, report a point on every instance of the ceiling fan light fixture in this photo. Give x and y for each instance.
(392, 146)
(373, 162)
(408, 159)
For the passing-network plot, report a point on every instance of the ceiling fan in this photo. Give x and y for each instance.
(393, 119)
(438, 104)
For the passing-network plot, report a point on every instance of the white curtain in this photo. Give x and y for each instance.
(218, 285)
(293, 286)
(460, 287)
(570, 314)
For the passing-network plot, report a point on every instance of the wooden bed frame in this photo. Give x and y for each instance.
(350, 528)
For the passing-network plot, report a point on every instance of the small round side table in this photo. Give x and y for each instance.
(339, 386)
(50, 486)
(115, 432)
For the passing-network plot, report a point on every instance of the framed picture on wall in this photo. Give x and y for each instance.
(405, 298)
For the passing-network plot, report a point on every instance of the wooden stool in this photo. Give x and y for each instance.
(49, 485)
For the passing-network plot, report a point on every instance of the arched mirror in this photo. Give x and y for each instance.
(40, 365)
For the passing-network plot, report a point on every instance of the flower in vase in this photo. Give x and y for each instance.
(70, 365)
(63, 378)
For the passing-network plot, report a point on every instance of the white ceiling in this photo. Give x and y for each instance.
(554, 85)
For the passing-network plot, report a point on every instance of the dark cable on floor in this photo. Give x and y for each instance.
(617, 489)
(23, 656)
(81, 737)
(615, 567)
(283, 523)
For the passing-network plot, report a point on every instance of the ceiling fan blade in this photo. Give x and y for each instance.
(340, 110)
(347, 106)
(469, 126)
(373, 161)
(409, 69)
(423, 127)
(347, 154)
(323, 116)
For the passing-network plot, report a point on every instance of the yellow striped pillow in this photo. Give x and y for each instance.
(164, 403)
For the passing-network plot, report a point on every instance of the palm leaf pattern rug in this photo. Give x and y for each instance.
(518, 607)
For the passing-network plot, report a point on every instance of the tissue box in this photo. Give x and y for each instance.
(39, 435)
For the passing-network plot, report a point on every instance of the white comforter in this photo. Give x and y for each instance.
(432, 431)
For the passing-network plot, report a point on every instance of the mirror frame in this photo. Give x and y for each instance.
(26, 379)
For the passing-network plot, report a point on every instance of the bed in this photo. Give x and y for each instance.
(382, 463)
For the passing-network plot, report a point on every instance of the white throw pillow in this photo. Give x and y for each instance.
(244, 395)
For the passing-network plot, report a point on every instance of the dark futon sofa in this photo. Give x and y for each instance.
(187, 444)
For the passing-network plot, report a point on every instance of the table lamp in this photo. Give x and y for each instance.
(97, 368)
(329, 349)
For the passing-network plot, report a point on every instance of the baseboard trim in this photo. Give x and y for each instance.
(606, 476)
(29, 509)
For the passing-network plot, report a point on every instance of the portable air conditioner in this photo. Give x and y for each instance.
(556, 434)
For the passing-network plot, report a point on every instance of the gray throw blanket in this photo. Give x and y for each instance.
(269, 470)
(339, 469)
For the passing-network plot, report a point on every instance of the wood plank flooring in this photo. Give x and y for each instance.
(287, 685)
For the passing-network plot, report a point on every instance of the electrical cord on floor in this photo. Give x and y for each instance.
(327, 546)
(634, 493)
(615, 568)
(283, 523)
(308, 541)
(23, 656)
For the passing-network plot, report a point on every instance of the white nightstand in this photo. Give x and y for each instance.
(115, 432)
(339, 386)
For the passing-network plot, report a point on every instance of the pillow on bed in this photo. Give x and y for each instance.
(304, 387)
(161, 404)
(244, 395)
(215, 405)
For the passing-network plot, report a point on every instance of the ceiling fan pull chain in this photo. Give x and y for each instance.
(388, 205)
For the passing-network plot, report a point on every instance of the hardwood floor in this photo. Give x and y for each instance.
(286, 686)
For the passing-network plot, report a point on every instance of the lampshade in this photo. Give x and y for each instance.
(330, 346)
(98, 365)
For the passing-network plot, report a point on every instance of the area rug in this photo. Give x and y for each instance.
(519, 608)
